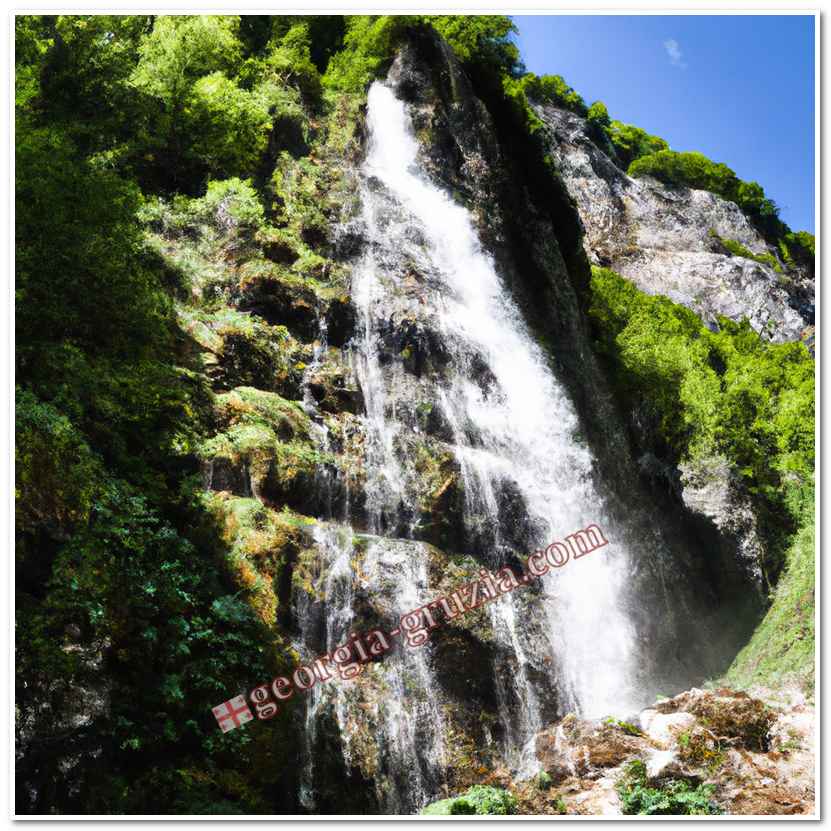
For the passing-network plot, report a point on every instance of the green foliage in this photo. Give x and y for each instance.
(597, 125)
(216, 111)
(695, 170)
(480, 799)
(552, 89)
(625, 726)
(56, 470)
(738, 250)
(560, 806)
(798, 247)
(81, 271)
(632, 142)
(370, 40)
(482, 39)
(231, 201)
(782, 647)
(673, 797)
(701, 393)
(368, 44)
(598, 115)
(127, 629)
(182, 48)
(230, 125)
(138, 602)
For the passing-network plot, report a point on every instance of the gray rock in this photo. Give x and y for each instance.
(664, 239)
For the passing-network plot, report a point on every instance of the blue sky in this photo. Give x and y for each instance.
(738, 88)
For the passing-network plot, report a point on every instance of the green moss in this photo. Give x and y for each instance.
(261, 541)
(782, 648)
(738, 250)
(625, 726)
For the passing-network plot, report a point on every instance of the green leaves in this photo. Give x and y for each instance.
(480, 799)
(728, 393)
(552, 89)
(230, 125)
(695, 170)
(180, 49)
(632, 143)
(671, 797)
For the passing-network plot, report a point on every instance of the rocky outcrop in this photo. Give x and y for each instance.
(671, 241)
(740, 754)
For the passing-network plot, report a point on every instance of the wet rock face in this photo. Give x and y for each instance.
(459, 143)
(712, 489)
(666, 240)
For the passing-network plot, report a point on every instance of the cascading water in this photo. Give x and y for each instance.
(526, 481)
(518, 427)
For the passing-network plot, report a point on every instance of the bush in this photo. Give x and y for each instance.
(231, 203)
(673, 797)
(229, 125)
(552, 89)
(695, 170)
(703, 393)
(370, 40)
(632, 143)
(480, 799)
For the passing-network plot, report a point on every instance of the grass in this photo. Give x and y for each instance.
(782, 647)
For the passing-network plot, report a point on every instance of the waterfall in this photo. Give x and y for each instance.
(517, 427)
(526, 475)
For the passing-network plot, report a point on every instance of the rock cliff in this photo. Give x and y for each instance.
(674, 241)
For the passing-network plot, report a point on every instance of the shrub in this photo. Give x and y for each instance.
(673, 797)
(229, 125)
(695, 170)
(703, 393)
(552, 89)
(231, 203)
(480, 799)
(632, 143)
(598, 115)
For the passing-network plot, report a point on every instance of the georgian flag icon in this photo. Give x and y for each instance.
(232, 714)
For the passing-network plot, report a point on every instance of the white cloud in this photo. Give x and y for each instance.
(674, 52)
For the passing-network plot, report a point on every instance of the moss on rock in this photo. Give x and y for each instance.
(262, 543)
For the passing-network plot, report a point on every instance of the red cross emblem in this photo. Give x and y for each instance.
(232, 714)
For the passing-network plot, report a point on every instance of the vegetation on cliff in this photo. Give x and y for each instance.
(642, 154)
(701, 392)
(730, 394)
(177, 179)
(131, 622)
